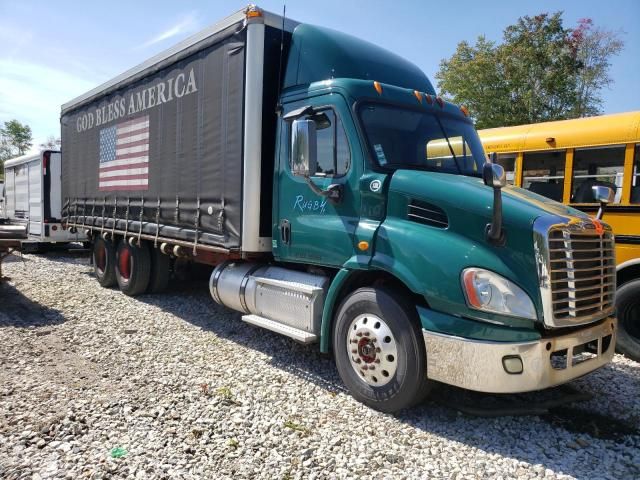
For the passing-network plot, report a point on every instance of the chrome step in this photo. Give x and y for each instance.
(301, 336)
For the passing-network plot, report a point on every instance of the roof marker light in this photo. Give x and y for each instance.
(440, 102)
(429, 99)
(418, 95)
(252, 11)
(550, 139)
(378, 87)
(464, 110)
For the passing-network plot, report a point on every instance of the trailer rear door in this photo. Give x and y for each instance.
(35, 197)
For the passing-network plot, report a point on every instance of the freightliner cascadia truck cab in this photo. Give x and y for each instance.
(341, 201)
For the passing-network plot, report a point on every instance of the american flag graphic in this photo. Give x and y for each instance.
(124, 156)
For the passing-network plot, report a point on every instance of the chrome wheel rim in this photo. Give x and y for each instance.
(372, 350)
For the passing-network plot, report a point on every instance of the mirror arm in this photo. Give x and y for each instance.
(600, 213)
(333, 193)
(493, 176)
(494, 229)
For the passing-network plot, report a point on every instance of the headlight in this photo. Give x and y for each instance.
(489, 292)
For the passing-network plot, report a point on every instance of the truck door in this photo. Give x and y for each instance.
(309, 228)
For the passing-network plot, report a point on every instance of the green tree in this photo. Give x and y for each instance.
(16, 137)
(541, 71)
(539, 67)
(471, 77)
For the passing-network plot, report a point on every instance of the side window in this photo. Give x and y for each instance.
(508, 162)
(543, 173)
(635, 179)
(333, 152)
(597, 166)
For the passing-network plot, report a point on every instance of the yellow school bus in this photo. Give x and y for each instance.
(562, 160)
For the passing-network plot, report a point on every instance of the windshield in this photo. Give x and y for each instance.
(412, 139)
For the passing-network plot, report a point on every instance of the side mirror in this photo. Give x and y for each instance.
(304, 149)
(603, 195)
(494, 175)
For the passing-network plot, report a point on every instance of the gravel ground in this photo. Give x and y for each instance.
(94, 384)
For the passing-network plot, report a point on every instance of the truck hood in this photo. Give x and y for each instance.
(462, 197)
(433, 255)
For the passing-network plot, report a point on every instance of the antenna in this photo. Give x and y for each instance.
(284, 15)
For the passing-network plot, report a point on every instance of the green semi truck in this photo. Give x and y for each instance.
(340, 201)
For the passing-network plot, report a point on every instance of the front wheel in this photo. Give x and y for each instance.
(379, 350)
(628, 312)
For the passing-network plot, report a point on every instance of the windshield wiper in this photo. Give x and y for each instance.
(446, 137)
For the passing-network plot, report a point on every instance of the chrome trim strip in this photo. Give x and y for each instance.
(252, 161)
(477, 365)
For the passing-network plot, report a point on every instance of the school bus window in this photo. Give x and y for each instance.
(543, 173)
(508, 162)
(597, 166)
(635, 179)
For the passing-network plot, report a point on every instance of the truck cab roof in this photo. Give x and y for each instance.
(319, 54)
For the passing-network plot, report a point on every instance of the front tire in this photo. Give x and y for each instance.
(133, 268)
(104, 260)
(379, 350)
(628, 312)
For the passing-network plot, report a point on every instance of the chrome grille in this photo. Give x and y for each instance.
(581, 272)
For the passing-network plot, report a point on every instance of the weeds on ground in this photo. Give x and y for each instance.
(227, 396)
(290, 424)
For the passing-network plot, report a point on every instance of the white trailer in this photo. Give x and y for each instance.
(33, 198)
(1, 201)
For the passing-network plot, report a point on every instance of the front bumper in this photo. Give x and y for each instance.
(478, 365)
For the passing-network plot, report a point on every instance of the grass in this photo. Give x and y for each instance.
(227, 396)
(290, 424)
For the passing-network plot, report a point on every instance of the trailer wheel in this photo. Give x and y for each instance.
(628, 312)
(133, 266)
(160, 271)
(104, 260)
(379, 350)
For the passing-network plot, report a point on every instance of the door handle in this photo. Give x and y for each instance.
(285, 231)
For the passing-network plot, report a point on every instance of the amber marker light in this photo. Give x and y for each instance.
(378, 87)
(468, 279)
(363, 245)
(418, 95)
(440, 102)
(253, 12)
(464, 110)
(429, 99)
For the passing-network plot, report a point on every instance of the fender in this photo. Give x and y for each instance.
(336, 285)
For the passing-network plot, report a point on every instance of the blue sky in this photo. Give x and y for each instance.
(52, 51)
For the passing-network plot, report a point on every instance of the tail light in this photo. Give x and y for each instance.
(45, 162)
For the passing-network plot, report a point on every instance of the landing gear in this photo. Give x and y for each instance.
(379, 350)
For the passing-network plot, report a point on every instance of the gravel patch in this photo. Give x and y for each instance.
(94, 384)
